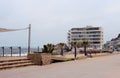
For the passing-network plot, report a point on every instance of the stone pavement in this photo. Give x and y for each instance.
(98, 67)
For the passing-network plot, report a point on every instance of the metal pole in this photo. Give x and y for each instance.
(19, 51)
(11, 50)
(38, 49)
(29, 38)
(3, 51)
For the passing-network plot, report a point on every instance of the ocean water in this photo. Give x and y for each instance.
(16, 52)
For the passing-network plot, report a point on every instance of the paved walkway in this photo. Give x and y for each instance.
(99, 67)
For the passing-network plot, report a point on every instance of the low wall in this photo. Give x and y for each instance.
(40, 58)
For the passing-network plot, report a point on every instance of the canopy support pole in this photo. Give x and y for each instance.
(29, 38)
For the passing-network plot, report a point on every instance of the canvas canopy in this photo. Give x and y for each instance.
(29, 35)
(8, 30)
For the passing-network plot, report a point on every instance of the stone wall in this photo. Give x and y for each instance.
(40, 58)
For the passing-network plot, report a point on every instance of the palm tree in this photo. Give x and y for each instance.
(85, 44)
(61, 45)
(48, 48)
(75, 45)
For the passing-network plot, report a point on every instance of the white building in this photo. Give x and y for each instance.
(94, 35)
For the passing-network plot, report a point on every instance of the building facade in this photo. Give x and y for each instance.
(94, 36)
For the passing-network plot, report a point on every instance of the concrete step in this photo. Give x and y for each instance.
(12, 63)
(15, 65)
(10, 60)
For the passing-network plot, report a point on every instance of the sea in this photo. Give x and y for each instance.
(16, 51)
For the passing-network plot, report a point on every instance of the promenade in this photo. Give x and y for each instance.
(98, 67)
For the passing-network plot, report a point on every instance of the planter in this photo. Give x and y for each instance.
(39, 58)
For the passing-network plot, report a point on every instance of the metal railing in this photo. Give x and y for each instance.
(16, 51)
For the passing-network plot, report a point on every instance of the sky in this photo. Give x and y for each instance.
(51, 19)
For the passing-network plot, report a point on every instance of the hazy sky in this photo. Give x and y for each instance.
(51, 19)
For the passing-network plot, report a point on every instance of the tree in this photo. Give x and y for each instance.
(48, 48)
(85, 44)
(61, 45)
(75, 45)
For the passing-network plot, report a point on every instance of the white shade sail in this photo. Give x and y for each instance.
(29, 35)
(8, 30)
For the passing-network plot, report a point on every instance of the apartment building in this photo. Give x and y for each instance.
(94, 35)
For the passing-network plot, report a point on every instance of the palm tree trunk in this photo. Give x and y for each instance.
(61, 51)
(85, 51)
(75, 53)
